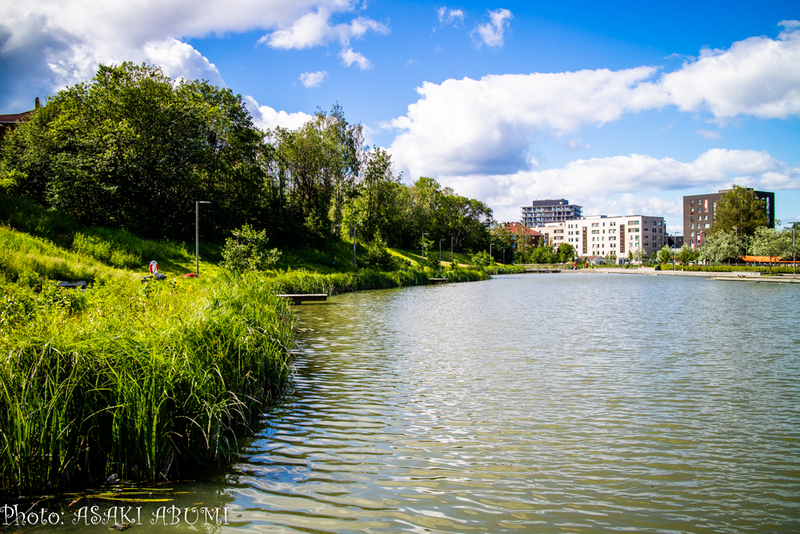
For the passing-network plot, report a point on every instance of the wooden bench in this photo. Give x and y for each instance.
(437, 280)
(299, 298)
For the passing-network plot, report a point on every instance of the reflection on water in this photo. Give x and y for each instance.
(537, 403)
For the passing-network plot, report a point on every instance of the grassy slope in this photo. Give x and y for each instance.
(142, 380)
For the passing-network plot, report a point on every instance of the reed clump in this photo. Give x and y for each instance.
(303, 281)
(142, 381)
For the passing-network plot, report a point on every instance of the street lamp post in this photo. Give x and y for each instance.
(440, 249)
(423, 245)
(197, 235)
(451, 250)
(490, 249)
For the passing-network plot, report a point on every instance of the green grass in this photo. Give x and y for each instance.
(139, 380)
(146, 380)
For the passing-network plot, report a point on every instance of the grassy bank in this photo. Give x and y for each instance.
(146, 381)
(141, 381)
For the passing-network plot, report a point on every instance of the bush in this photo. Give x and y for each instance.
(247, 251)
(378, 256)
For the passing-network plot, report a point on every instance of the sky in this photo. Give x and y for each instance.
(622, 107)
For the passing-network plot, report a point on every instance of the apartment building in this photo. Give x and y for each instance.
(602, 235)
(542, 212)
(699, 210)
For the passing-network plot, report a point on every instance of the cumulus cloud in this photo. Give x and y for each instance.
(758, 76)
(462, 127)
(613, 185)
(349, 57)
(313, 79)
(267, 118)
(491, 33)
(48, 44)
(315, 29)
(450, 16)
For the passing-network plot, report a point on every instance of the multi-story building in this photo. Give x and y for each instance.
(699, 211)
(542, 212)
(605, 236)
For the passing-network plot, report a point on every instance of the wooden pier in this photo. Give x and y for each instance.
(299, 298)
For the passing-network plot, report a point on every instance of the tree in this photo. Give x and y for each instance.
(739, 208)
(771, 242)
(247, 251)
(721, 246)
(686, 254)
(132, 149)
(565, 252)
(665, 254)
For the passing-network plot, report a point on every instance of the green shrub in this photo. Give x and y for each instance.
(247, 251)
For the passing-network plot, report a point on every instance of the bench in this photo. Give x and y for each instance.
(299, 298)
(437, 280)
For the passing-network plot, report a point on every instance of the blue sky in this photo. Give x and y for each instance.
(623, 107)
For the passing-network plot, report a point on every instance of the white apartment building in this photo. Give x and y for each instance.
(602, 235)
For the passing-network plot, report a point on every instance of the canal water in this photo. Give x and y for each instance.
(536, 403)
(542, 403)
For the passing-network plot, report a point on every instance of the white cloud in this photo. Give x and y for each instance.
(709, 134)
(49, 44)
(758, 76)
(315, 29)
(349, 57)
(463, 127)
(313, 79)
(266, 118)
(467, 126)
(491, 33)
(450, 16)
(613, 185)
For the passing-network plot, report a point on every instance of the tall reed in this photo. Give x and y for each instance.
(140, 381)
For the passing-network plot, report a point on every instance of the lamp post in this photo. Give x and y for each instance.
(197, 236)
(423, 245)
(451, 250)
(440, 249)
(490, 249)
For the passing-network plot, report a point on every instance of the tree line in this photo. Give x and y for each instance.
(134, 149)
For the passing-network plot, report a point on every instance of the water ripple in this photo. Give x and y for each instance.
(538, 403)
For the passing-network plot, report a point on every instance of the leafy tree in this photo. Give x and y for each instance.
(665, 254)
(739, 208)
(771, 242)
(543, 254)
(377, 205)
(637, 255)
(378, 256)
(131, 149)
(566, 252)
(721, 246)
(247, 251)
(686, 254)
(482, 259)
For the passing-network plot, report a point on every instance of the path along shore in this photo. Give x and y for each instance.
(733, 276)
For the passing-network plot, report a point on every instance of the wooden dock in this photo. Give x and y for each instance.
(542, 270)
(437, 280)
(299, 298)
